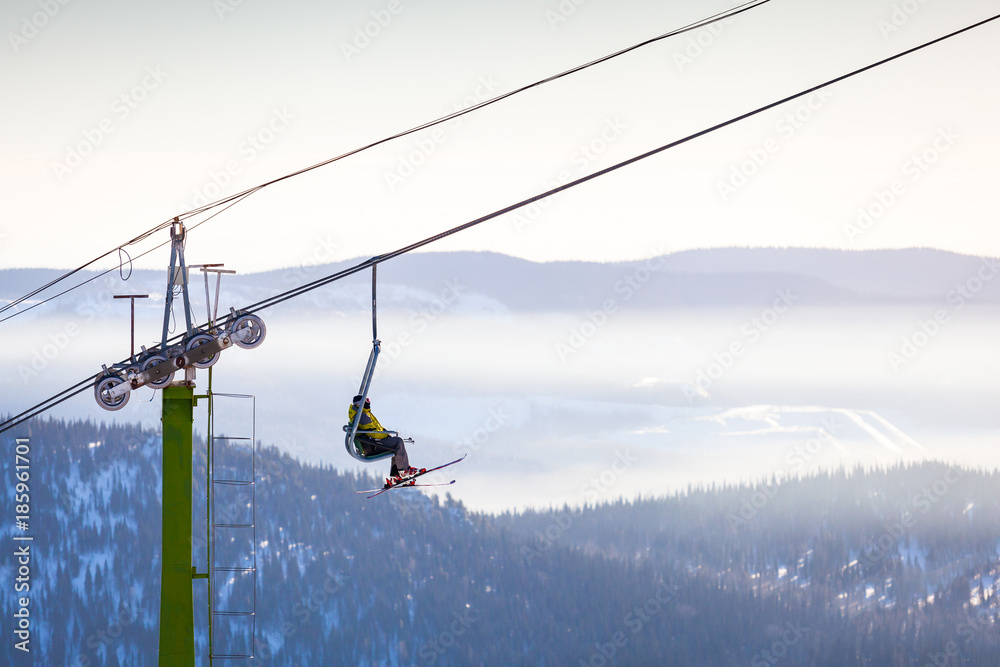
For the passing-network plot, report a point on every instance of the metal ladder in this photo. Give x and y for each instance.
(232, 548)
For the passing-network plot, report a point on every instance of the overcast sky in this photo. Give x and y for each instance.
(119, 115)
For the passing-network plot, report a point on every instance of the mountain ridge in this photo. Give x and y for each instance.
(875, 567)
(720, 277)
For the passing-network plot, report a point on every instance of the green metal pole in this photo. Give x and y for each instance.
(176, 591)
(208, 508)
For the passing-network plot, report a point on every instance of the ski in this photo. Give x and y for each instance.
(375, 492)
(409, 481)
(404, 484)
(439, 484)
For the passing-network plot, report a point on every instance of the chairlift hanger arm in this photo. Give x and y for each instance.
(366, 380)
(374, 261)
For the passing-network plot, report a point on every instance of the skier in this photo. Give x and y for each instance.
(379, 440)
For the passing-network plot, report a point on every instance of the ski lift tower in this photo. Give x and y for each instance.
(156, 368)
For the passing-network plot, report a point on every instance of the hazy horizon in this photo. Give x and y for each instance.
(610, 371)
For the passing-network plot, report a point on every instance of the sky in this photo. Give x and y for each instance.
(121, 115)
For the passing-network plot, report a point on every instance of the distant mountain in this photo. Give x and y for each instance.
(696, 278)
(891, 567)
(905, 274)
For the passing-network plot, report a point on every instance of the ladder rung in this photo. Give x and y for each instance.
(222, 568)
(232, 525)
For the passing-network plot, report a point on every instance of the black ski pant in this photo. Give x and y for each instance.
(391, 443)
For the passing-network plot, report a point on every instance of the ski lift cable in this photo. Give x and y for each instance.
(274, 300)
(98, 275)
(290, 294)
(719, 16)
(38, 290)
(239, 196)
(47, 404)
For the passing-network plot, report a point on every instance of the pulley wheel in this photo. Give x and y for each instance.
(196, 342)
(257, 331)
(104, 398)
(153, 361)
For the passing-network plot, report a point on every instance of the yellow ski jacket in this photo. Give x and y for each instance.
(368, 422)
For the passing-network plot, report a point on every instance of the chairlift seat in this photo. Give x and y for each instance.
(362, 440)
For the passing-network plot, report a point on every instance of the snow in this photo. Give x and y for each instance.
(914, 552)
(89, 562)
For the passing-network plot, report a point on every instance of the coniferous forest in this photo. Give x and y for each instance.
(894, 566)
